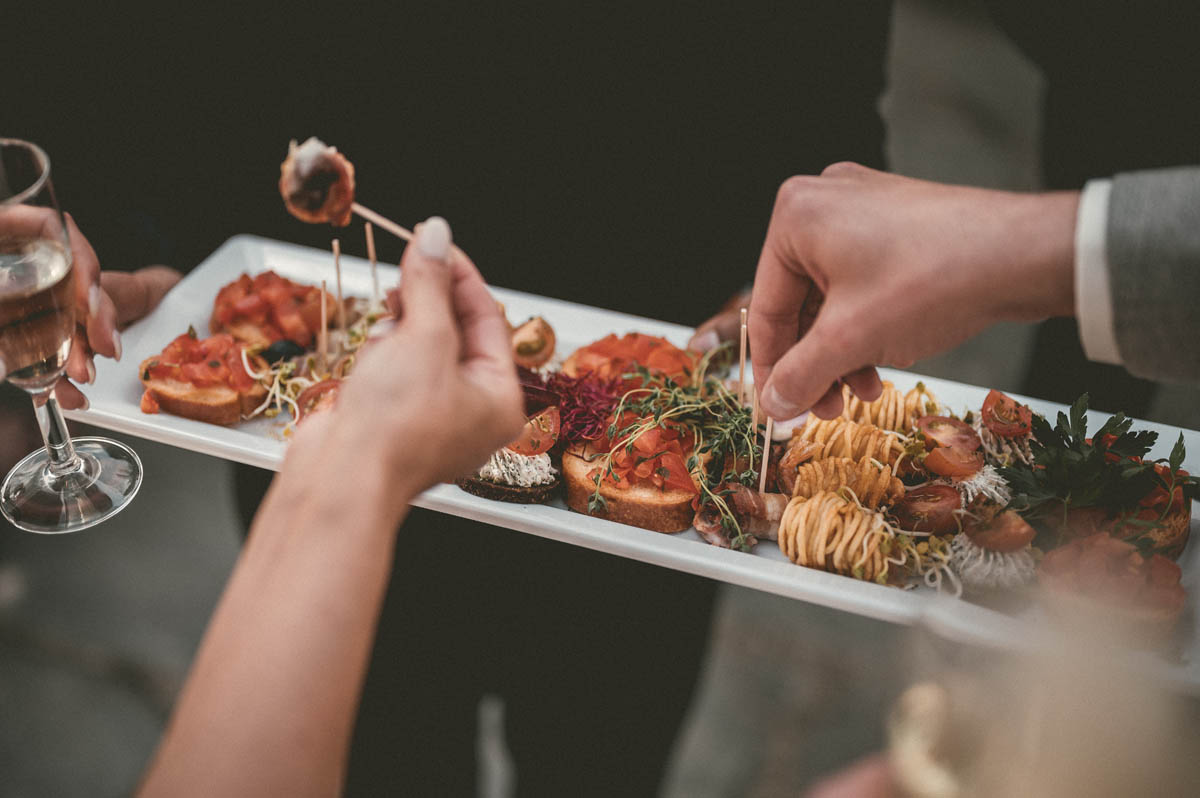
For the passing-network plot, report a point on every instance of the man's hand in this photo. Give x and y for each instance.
(863, 269)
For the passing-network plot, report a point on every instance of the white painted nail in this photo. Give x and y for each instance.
(86, 404)
(706, 340)
(776, 406)
(433, 238)
(94, 300)
(116, 339)
(3, 369)
(91, 370)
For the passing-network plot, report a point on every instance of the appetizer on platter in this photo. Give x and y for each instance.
(523, 471)
(317, 183)
(205, 379)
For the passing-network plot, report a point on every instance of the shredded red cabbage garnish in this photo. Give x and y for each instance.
(585, 405)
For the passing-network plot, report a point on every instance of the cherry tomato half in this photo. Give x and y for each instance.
(1005, 417)
(1007, 532)
(951, 461)
(317, 398)
(928, 509)
(539, 434)
(946, 431)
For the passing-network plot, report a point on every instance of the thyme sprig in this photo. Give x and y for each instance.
(699, 405)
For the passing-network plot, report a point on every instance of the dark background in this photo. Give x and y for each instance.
(624, 156)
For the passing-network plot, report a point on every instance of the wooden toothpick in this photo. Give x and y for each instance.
(762, 480)
(382, 221)
(323, 333)
(341, 306)
(742, 364)
(754, 429)
(392, 227)
(370, 231)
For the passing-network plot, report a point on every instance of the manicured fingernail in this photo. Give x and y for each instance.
(3, 369)
(86, 404)
(433, 238)
(94, 300)
(116, 339)
(91, 370)
(706, 340)
(776, 406)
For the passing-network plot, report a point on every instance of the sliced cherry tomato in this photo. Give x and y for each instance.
(951, 461)
(929, 509)
(539, 434)
(946, 431)
(1007, 532)
(1005, 417)
(317, 398)
(533, 343)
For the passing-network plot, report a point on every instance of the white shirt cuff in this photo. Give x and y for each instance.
(1093, 294)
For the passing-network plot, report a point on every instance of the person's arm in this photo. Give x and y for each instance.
(269, 705)
(1150, 259)
(862, 269)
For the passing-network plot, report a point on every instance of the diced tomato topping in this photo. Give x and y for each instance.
(279, 307)
(612, 356)
(657, 456)
(149, 402)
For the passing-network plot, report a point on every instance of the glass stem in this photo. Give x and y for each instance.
(54, 432)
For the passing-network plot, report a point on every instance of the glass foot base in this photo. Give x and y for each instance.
(100, 486)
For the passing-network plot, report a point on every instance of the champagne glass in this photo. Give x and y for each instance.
(69, 485)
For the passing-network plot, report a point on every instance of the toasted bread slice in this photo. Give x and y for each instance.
(644, 506)
(535, 494)
(217, 404)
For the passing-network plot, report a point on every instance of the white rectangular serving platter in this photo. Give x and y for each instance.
(117, 392)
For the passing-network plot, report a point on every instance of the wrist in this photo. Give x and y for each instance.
(350, 479)
(1037, 279)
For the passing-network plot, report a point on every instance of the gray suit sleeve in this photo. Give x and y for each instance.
(1153, 242)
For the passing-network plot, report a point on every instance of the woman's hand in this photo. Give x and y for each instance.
(862, 268)
(104, 301)
(436, 395)
(269, 706)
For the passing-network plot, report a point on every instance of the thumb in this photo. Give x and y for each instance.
(425, 279)
(806, 371)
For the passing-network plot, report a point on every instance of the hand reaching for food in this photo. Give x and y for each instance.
(437, 394)
(862, 269)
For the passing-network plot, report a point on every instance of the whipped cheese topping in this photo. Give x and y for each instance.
(309, 154)
(982, 569)
(509, 468)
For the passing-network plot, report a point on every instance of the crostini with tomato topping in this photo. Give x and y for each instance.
(267, 308)
(202, 379)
